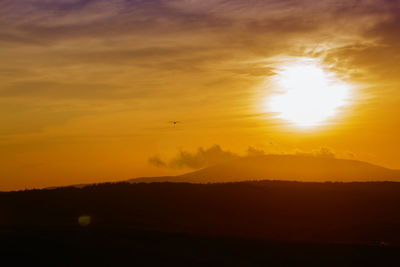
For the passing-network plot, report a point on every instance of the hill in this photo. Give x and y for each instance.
(273, 210)
(264, 223)
(284, 167)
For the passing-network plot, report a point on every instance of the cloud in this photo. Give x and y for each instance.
(157, 161)
(350, 155)
(376, 60)
(196, 52)
(216, 155)
(224, 40)
(199, 159)
(322, 152)
(202, 158)
(252, 151)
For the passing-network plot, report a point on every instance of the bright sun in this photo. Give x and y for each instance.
(306, 94)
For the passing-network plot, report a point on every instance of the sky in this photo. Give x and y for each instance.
(88, 87)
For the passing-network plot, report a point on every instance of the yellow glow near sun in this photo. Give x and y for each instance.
(307, 94)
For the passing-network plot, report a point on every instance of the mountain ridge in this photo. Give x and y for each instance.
(284, 167)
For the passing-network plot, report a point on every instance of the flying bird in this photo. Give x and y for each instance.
(174, 122)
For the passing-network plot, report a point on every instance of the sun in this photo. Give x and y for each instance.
(306, 94)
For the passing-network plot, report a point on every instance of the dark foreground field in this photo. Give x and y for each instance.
(96, 246)
(238, 224)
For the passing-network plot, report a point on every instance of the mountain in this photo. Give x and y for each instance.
(284, 167)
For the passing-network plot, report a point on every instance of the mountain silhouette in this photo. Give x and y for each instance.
(284, 167)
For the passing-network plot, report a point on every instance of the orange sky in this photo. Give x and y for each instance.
(87, 88)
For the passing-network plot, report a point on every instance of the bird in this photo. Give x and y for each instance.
(174, 122)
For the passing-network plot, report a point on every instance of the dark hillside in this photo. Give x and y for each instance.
(266, 223)
(363, 213)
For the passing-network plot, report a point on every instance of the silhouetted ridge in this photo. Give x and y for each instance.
(285, 167)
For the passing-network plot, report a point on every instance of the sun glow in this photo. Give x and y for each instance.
(306, 94)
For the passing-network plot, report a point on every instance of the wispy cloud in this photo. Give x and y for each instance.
(199, 159)
(158, 36)
(214, 155)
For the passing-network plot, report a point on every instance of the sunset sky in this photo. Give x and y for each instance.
(88, 87)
